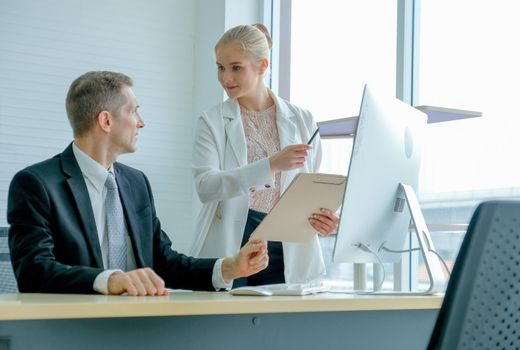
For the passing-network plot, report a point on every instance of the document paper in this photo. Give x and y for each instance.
(288, 221)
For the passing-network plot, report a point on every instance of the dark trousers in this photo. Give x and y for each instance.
(274, 273)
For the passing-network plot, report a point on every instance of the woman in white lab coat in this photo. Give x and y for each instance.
(247, 150)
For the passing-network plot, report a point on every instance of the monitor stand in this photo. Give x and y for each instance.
(431, 260)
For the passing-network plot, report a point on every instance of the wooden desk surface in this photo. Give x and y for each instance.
(69, 306)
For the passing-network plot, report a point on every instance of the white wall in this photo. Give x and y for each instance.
(243, 12)
(206, 90)
(166, 46)
(44, 45)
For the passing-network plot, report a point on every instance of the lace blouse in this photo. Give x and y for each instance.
(262, 141)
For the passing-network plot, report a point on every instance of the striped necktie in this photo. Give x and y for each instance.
(115, 226)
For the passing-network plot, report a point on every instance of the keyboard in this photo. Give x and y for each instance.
(281, 289)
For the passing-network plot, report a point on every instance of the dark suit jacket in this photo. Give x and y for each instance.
(53, 237)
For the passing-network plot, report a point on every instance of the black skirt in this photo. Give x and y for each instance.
(274, 273)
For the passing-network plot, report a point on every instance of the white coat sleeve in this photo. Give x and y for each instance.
(213, 183)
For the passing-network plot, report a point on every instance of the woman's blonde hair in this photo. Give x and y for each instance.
(253, 39)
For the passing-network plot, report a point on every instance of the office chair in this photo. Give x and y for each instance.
(481, 308)
(7, 279)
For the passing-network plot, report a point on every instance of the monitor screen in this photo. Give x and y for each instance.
(385, 153)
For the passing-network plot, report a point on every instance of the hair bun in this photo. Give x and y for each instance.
(264, 30)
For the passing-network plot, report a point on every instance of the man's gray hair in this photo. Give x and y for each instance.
(92, 93)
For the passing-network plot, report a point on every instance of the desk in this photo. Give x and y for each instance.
(203, 320)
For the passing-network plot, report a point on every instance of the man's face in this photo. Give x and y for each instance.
(126, 124)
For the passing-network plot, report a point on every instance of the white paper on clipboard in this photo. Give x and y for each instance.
(288, 221)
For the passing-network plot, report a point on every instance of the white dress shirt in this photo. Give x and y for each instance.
(95, 177)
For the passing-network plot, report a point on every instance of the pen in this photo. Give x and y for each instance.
(313, 136)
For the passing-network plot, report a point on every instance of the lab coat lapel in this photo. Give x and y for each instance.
(78, 187)
(234, 130)
(287, 130)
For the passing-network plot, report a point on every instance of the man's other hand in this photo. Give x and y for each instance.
(138, 282)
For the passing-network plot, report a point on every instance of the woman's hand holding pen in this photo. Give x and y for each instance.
(291, 157)
(325, 222)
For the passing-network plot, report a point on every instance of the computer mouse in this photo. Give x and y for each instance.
(250, 290)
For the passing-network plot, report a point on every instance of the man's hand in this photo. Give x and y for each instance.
(136, 282)
(251, 259)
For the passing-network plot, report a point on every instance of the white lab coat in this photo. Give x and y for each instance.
(224, 179)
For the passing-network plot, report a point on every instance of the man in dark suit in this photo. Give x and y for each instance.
(73, 229)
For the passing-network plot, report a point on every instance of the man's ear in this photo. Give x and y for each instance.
(104, 120)
(264, 64)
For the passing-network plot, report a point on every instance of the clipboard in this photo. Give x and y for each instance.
(288, 221)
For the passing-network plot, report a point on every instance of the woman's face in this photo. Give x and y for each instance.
(238, 74)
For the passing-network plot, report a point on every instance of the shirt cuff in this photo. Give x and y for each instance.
(101, 281)
(217, 279)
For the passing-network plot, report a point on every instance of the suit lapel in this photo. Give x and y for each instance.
(125, 192)
(234, 130)
(77, 186)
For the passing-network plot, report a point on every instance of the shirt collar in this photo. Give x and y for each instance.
(94, 172)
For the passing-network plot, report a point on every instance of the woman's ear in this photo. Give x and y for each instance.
(264, 64)
(104, 120)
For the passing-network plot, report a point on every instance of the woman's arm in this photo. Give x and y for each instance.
(215, 184)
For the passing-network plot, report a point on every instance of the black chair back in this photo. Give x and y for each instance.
(481, 308)
(7, 279)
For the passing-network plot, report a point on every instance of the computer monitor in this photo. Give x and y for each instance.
(386, 152)
(380, 194)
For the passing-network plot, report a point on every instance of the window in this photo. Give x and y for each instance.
(472, 66)
(337, 46)
(468, 60)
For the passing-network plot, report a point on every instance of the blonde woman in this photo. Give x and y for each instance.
(247, 150)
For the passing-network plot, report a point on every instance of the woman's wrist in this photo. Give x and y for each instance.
(272, 164)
